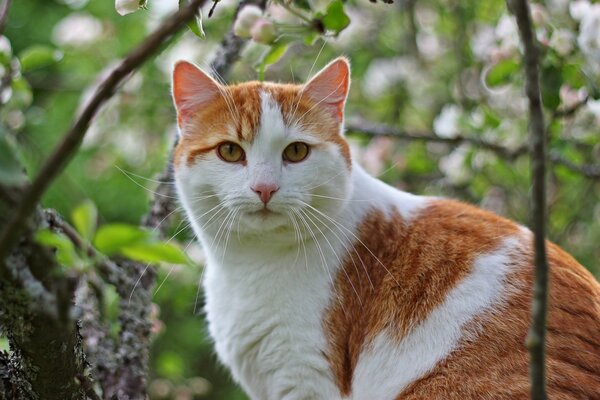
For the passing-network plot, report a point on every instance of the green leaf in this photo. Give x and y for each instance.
(84, 218)
(551, 80)
(271, 56)
(573, 75)
(195, 24)
(501, 73)
(335, 18)
(11, 171)
(38, 56)
(22, 95)
(65, 250)
(302, 4)
(111, 238)
(155, 253)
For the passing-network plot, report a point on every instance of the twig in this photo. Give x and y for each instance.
(72, 140)
(212, 9)
(537, 332)
(589, 171)
(4, 14)
(368, 128)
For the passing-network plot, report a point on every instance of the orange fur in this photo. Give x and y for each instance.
(426, 258)
(235, 116)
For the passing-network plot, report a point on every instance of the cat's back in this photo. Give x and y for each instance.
(438, 306)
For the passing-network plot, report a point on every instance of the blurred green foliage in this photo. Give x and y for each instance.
(442, 66)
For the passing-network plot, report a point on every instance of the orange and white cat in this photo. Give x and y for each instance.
(323, 282)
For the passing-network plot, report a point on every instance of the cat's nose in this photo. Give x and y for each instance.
(265, 191)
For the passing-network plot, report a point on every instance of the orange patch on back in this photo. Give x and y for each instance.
(495, 364)
(423, 260)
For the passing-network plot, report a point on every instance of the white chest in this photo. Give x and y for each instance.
(265, 314)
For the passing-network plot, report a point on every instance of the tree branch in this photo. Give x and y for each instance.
(363, 127)
(371, 129)
(537, 331)
(4, 14)
(72, 140)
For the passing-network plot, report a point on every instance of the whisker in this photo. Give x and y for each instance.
(344, 243)
(334, 252)
(358, 239)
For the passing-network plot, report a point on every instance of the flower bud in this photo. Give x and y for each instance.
(245, 20)
(125, 7)
(264, 31)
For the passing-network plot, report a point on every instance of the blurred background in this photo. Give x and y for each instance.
(447, 68)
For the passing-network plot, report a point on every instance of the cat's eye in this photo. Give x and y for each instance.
(296, 152)
(231, 152)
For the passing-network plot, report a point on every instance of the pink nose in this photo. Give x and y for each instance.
(265, 191)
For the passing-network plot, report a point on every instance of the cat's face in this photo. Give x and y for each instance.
(255, 156)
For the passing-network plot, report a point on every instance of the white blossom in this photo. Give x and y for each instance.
(483, 42)
(454, 167)
(446, 123)
(246, 18)
(507, 34)
(570, 97)
(579, 8)
(562, 41)
(5, 47)
(593, 106)
(384, 73)
(589, 34)
(77, 29)
(539, 14)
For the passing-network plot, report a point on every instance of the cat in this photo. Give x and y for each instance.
(323, 282)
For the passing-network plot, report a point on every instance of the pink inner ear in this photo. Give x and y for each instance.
(192, 89)
(330, 86)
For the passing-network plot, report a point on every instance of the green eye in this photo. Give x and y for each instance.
(231, 152)
(296, 152)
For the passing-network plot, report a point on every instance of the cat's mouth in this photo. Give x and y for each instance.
(263, 212)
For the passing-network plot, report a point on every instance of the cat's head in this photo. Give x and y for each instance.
(257, 152)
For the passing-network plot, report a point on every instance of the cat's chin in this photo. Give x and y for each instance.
(263, 220)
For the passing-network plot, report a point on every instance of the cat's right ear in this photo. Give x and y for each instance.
(192, 89)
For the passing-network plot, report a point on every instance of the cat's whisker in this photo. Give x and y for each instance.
(229, 230)
(317, 244)
(334, 198)
(312, 67)
(137, 282)
(171, 270)
(302, 239)
(347, 243)
(144, 187)
(227, 97)
(297, 236)
(166, 217)
(332, 250)
(213, 217)
(357, 238)
(319, 102)
(130, 173)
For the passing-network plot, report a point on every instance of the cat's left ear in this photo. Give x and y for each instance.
(330, 86)
(192, 90)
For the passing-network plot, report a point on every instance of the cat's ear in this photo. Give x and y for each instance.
(192, 89)
(330, 86)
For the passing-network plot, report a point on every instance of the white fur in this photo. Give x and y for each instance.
(266, 291)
